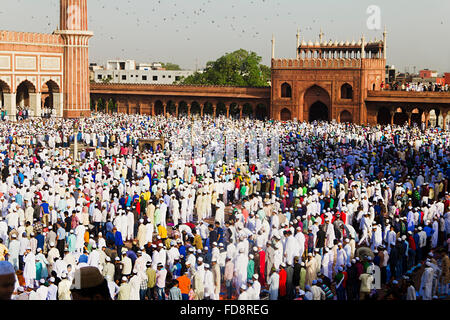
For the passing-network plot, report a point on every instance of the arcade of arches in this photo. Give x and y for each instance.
(46, 101)
(179, 107)
(430, 116)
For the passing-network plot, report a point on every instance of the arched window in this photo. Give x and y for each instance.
(346, 91)
(286, 90)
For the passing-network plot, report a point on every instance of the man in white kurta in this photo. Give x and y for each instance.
(29, 271)
(426, 282)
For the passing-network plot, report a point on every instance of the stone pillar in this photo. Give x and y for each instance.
(152, 106)
(165, 109)
(202, 106)
(214, 110)
(427, 118)
(240, 111)
(38, 104)
(176, 109)
(10, 104)
(392, 117)
(444, 117)
(96, 105)
(228, 111)
(409, 114)
(189, 109)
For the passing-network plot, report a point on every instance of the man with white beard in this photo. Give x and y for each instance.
(325, 268)
(301, 242)
(29, 271)
(220, 213)
(149, 231)
(94, 257)
(364, 226)
(341, 258)
(172, 254)
(208, 283)
(183, 209)
(426, 282)
(130, 225)
(240, 268)
(377, 238)
(174, 210)
(291, 248)
(79, 232)
(163, 214)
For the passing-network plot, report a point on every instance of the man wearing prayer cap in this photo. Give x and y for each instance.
(89, 284)
(7, 280)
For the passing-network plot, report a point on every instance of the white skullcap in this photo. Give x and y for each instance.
(6, 268)
(244, 287)
(200, 259)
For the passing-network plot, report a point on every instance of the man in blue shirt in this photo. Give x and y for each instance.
(61, 239)
(40, 240)
(219, 232)
(84, 257)
(118, 241)
(44, 207)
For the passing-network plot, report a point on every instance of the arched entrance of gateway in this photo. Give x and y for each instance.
(318, 112)
(26, 98)
(285, 115)
(316, 104)
(345, 117)
(50, 99)
(384, 116)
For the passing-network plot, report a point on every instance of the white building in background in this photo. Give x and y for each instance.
(128, 71)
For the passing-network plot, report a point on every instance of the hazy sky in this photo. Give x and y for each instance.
(184, 31)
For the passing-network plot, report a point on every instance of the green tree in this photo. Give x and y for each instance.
(101, 105)
(170, 66)
(239, 68)
(107, 80)
(112, 106)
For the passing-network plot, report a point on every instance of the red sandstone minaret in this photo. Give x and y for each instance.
(74, 31)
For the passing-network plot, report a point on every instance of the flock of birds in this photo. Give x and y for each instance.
(166, 14)
(240, 18)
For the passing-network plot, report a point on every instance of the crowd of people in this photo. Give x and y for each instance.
(348, 212)
(418, 87)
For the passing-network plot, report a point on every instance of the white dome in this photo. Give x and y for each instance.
(353, 42)
(336, 43)
(303, 43)
(347, 43)
(341, 43)
(310, 44)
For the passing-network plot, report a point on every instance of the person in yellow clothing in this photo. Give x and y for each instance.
(3, 250)
(162, 231)
(146, 195)
(197, 243)
(86, 236)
